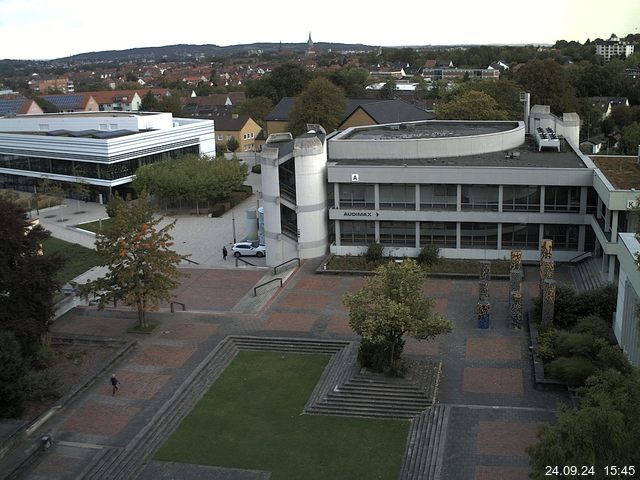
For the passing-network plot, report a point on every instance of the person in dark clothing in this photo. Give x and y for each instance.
(114, 384)
(224, 253)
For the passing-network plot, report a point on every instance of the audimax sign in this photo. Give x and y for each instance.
(363, 213)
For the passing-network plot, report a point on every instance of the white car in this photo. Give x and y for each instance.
(242, 249)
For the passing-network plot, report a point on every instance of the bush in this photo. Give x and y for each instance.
(429, 255)
(217, 210)
(595, 326)
(611, 356)
(12, 371)
(41, 384)
(257, 169)
(547, 344)
(572, 370)
(600, 301)
(374, 253)
(571, 343)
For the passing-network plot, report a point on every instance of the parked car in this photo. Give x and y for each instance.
(242, 249)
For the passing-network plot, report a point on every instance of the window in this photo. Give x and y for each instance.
(229, 137)
(357, 233)
(520, 198)
(220, 137)
(564, 237)
(480, 197)
(562, 199)
(520, 235)
(398, 197)
(438, 197)
(398, 234)
(479, 235)
(356, 196)
(440, 234)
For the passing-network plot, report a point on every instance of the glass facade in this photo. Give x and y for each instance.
(398, 196)
(287, 175)
(516, 198)
(354, 195)
(95, 170)
(565, 237)
(480, 197)
(520, 235)
(440, 234)
(398, 234)
(562, 199)
(357, 233)
(479, 235)
(438, 197)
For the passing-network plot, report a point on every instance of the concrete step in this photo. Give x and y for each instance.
(364, 411)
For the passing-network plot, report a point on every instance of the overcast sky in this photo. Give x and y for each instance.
(45, 29)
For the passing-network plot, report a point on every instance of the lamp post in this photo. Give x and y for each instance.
(233, 225)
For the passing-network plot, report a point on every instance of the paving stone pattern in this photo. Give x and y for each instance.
(486, 413)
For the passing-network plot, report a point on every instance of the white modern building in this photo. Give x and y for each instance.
(101, 149)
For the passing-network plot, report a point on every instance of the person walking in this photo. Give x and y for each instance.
(114, 383)
(224, 253)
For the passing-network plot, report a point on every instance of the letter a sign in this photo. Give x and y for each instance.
(355, 177)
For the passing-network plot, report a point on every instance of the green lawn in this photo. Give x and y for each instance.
(252, 418)
(94, 226)
(78, 259)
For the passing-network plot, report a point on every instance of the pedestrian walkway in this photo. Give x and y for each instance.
(486, 391)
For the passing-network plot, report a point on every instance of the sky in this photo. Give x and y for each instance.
(47, 29)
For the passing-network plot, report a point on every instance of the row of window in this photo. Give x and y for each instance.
(472, 235)
(473, 197)
(75, 168)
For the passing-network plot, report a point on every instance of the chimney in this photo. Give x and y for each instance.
(234, 115)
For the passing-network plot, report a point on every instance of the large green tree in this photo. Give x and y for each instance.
(322, 103)
(353, 80)
(286, 80)
(548, 84)
(257, 108)
(471, 105)
(142, 267)
(12, 374)
(390, 305)
(27, 278)
(631, 138)
(602, 432)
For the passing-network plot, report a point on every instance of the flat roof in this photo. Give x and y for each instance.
(622, 171)
(429, 129)
(105, 113)
(527, 155)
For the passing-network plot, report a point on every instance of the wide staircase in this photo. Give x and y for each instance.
(586, 274)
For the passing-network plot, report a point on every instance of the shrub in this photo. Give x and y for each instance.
(12, 372)
(571, 343)
(217, 210)
(611, 356)
(41, 384)
(573, 370)
(429, 255)
(595, 326)
(565, 307)
(257, 169)
(546, 344)
(374, 252)
(600, 301)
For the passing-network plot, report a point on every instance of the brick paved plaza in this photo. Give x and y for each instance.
(486, 375)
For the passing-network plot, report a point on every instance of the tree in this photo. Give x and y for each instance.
(27, 278)
(286, 80)
(631, 138)
(143, 270)
(171, 104)
(602, 432)
(233, 144)
(12, 373)
(471, 105)
(388, 90)
(547, 82)
(257, 108)
(388, 306)
(322, 103)
(353, 81)
(149, 102)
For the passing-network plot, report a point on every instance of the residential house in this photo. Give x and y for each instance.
(18, 106)
(613, 47)
(118, 100)
(212, 105)
(62, 84)
(75, 102)
(607, 104)
(241, 127)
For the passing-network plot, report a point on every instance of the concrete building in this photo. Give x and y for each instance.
(612, 48)
(101, 149)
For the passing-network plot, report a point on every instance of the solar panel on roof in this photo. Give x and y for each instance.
(65, 102)
(58, 133)
(9, 107)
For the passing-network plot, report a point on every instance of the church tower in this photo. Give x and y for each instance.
(310, 50)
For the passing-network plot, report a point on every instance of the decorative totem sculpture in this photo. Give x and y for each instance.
(484, 306)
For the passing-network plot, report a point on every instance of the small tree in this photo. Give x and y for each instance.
(233, 144)
(142, 267)
(388, 306)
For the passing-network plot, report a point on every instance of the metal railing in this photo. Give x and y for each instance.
(255, 289)
(190, 261)
(580, 257)
(171, 306)
(275, 269)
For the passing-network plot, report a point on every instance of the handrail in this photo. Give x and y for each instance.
(190, 261)
(581, 256)
(255, 289)
(179, 303)
(275, 269)
(243, 261)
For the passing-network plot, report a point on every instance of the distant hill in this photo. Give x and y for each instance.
(185, 51)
